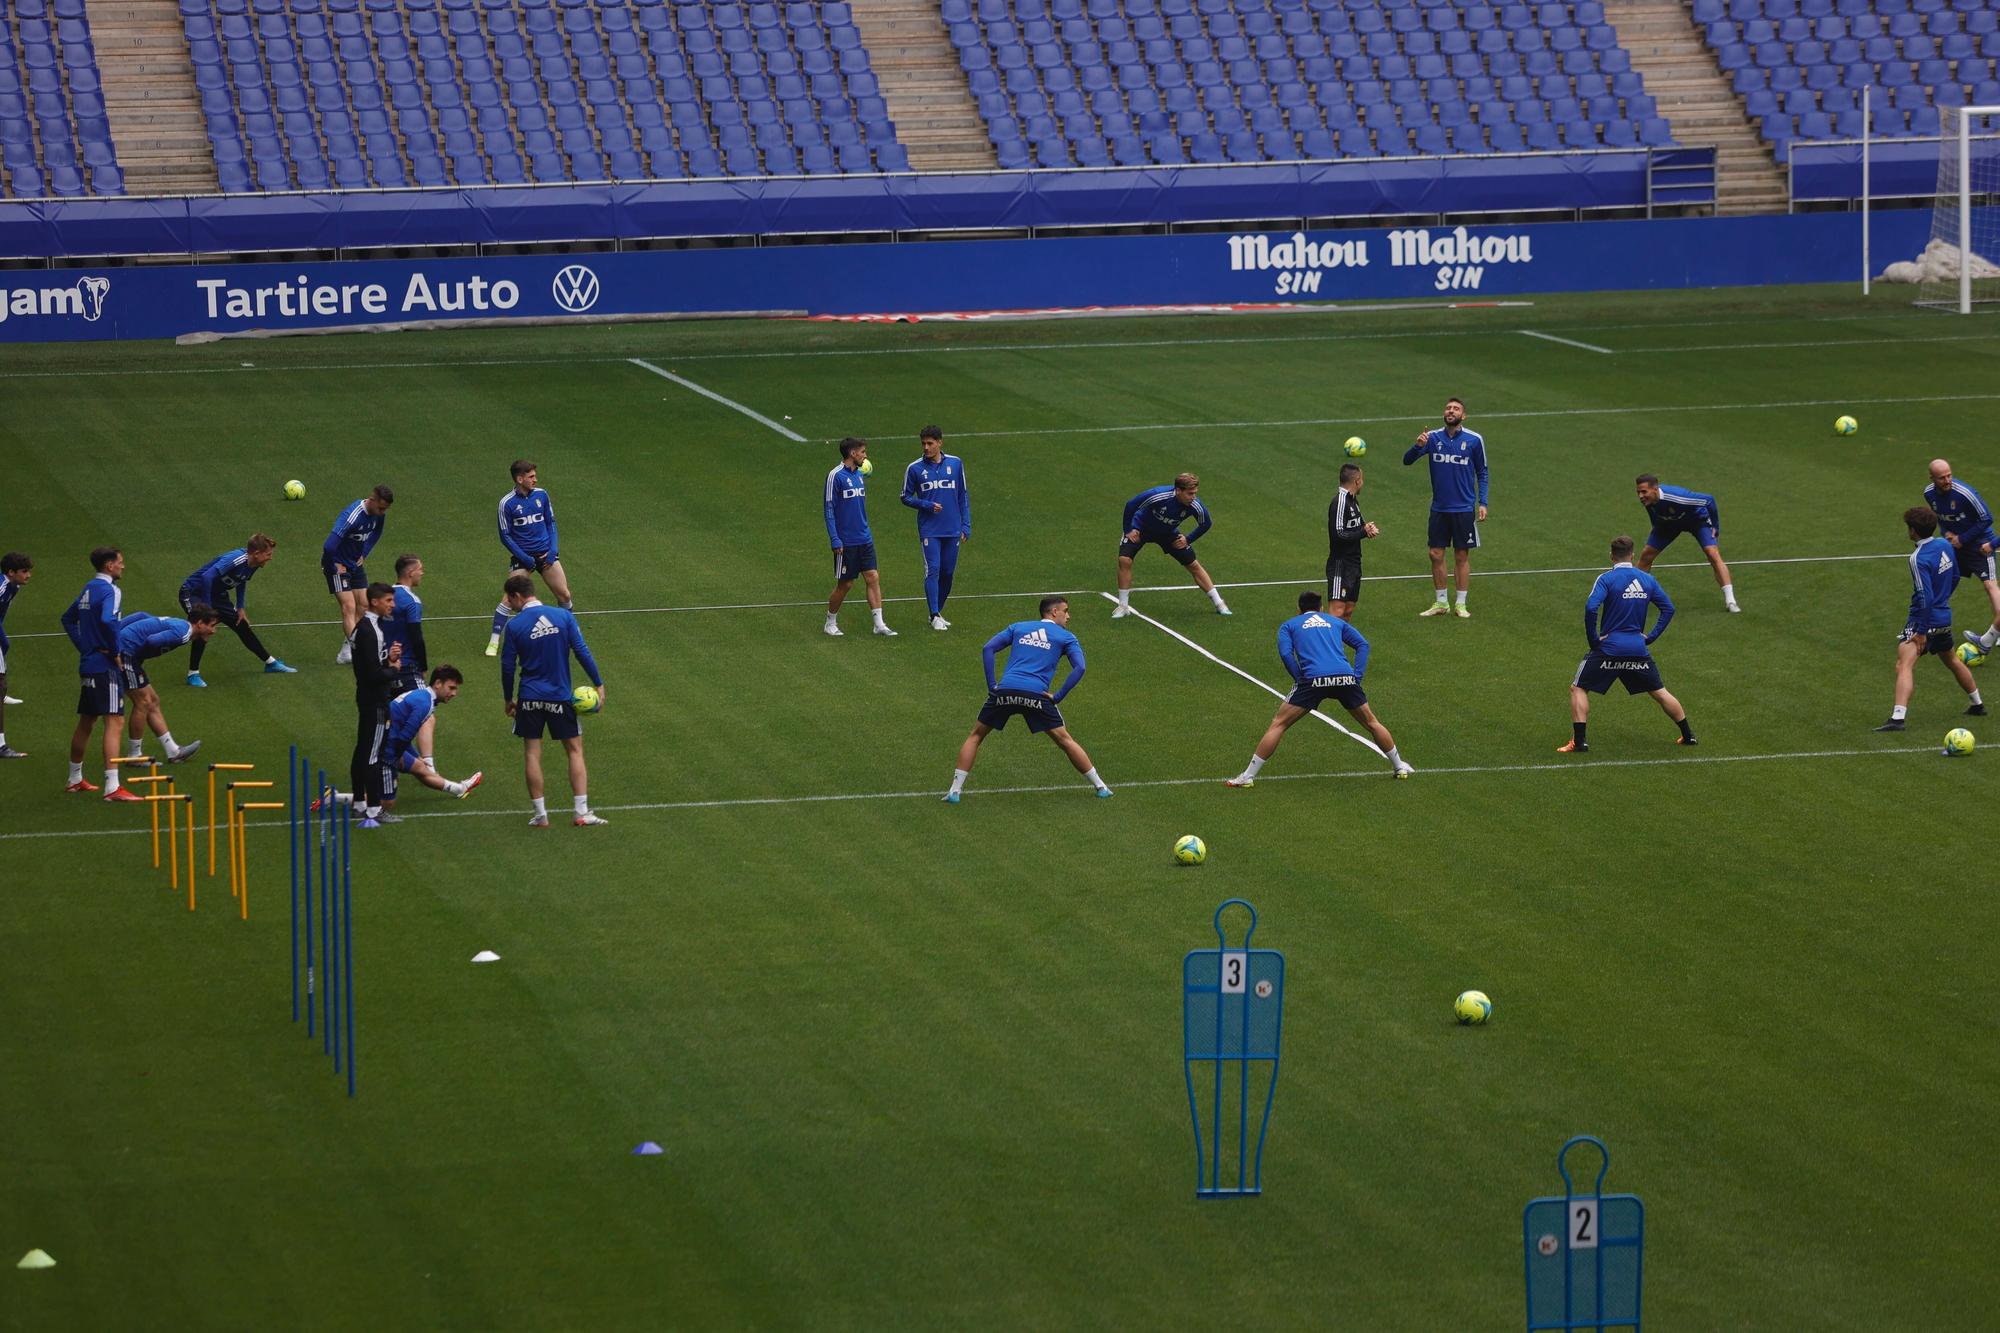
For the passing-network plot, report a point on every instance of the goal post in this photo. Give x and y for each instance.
(1960, 267)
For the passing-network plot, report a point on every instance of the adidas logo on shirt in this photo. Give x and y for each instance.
(1034, 638)
(1635, 591)
(1315, 621)
(542, 629)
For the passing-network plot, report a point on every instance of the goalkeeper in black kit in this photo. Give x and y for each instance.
(1345, 531)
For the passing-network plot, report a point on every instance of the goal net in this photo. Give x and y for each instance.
(1960, 267)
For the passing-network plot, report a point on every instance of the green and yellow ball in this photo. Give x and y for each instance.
(1190, 850)
(1472, 1008)
(1845, 425)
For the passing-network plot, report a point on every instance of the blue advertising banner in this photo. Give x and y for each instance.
(1215, 268)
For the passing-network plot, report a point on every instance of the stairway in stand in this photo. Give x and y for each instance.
(911, 54)
(150, 98)
(1698, 102)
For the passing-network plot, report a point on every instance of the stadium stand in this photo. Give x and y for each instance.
(54, 137)
(312, 94)
(1092, 83)
(1800, 66)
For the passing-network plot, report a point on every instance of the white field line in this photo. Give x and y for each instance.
(1567, 342)
(1308, 581)
(1580, 765)
(713, 396)
(1231, 666)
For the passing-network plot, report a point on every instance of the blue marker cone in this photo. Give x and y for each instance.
(648, 1149)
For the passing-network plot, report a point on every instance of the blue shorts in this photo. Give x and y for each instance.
(135, 678)
(1597, 672)
(1184, 554)
(1937, 641)
(1037, 710)
(400, 756)
(354, 579)
(1458, 530)
(102, 696)
(1316, 690)
(1661, 538)
(851, 562)
(557, 715)
(1974, 563)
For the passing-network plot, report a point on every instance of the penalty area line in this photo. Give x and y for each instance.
(1567, 342)
(713, 396)
(1580, 765)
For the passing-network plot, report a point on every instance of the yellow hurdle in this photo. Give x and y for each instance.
(174, 840)
(152, 810)
(229, 768)
(119, 764)
(243, 848)
(235, 879)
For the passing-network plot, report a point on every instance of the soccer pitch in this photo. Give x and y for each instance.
(919, 1065)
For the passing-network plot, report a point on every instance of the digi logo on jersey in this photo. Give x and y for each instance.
(85, 299)
(575, 288)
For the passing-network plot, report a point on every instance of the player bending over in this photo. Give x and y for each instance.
(541, 640)
(528, 531)
(1033, 648)
(847, 531)
(1155, 516)
(408, 747)
(1314, 647)
(1934, 577)
(1966, 522)
(15, 571)
(934, 486)
(1458, 500)
(354, 535)
(91, 621)
(142, 638)
(1614, 622)
(1674, 510)
(224, 584)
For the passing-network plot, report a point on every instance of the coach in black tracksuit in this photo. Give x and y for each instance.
(376, 666)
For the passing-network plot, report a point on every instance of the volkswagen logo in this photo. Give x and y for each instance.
(575, 288)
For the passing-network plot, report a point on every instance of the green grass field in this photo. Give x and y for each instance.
(915, 1065)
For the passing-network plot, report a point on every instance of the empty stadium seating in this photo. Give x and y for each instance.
(308, 94)
(1800, 66)
(54, 138)
(1092, 82)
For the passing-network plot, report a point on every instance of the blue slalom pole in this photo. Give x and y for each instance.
(331, 949)
(318, 835)
(347, 945)
(327, 870)
(294, 802)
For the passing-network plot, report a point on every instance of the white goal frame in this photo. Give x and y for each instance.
(1956, 151)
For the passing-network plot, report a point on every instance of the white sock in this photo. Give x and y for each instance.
(1975, 699)
(877, 613)
(1990, 639)
(833, 617)
(371, 812)
(1124, 599)
(1394, 758)
(1729, 594)
(1461, 597)
(136, 749)
(1095, 781)
(541, 808)
(1256, 766)
(1898, 713)
(454, 789)
(3, 740)
(111, 779)
(1443, 597)
(75, 773)
(267, 662)
(582, 804)
(167, 743)
(1215, 595)
(958, 777)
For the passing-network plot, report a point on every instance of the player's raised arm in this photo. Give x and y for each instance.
(1417, 450)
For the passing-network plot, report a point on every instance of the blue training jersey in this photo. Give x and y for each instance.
(1960, 512)
(941, 483)
(223, 581)
(354, 534)
(406, 614)
(1159, 511)
(92, 624)
(407, 715)
(528, 526)
(541, 639)
(1033, 648)
(1934, 574)
(1684, 510)
(1614, 615)
(847, 508)
(1458, 469)
(8, 588)
(142, 636)
(1317, 644)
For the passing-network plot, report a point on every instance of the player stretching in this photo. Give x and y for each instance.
(15, 571)
(224, 583)
(542, 643)
(528, 531)
(1033, 648)
(847, 530)
(1934, 577)
(1674, 510)
(1156, 516)
(1614, 622)
(141, 638)
(1345, 531)
(1966, 522)
(1458, 500)
(404, 624)
(934, 486)
(354, 535)
(91, 621)
(1314, 648)
(408, 746)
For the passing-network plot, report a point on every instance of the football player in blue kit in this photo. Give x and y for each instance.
(1675, 510)
(1927, 633)
(1033, 648)
(1315, 645)
(1614, 624)
(935, 487)
(1457, 458)
(846, 508)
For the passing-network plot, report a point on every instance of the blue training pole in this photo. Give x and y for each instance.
(294, 802)
(331, 949)
(318, 834)
(347, 947)
(327, 869)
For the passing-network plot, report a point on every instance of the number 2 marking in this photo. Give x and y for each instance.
(1584, 1213)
